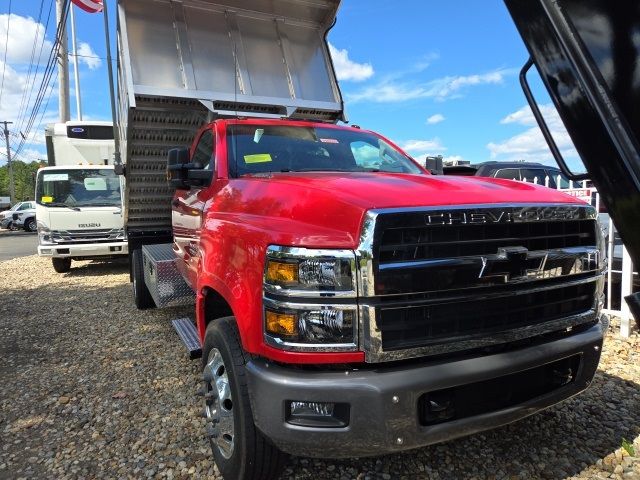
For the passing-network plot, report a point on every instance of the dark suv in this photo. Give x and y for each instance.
(512, 171)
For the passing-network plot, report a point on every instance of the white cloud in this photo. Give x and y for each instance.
(436, 118)
(87, 56)
(439, 89)
(530, 145)
(26, 37)
(24, 34)
(347, 69)
(420, 148)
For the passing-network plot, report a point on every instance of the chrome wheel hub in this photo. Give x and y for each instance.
(218, 404)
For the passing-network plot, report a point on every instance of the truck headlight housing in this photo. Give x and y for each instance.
(297, 282)
(308, 327)
(44, 234)
(309, 272)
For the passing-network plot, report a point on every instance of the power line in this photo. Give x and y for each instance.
(33, 52)
(23, 113)
(50, 67)
(6, 49)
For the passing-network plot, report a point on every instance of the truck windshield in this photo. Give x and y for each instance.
(255, 149)
(78, 188)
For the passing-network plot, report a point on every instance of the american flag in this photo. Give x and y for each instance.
(91, 6)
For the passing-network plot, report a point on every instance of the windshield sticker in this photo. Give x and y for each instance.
(55, 177)
(329, 140)
(257, 158)
(95, 183)
(258, 135)
(46, 199)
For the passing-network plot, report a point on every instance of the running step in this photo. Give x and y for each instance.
(186, 330)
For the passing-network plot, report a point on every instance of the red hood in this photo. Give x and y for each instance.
(329, 207)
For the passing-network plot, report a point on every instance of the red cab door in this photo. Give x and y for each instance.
(188, 210)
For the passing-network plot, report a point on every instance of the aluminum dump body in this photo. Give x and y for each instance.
(182, 63)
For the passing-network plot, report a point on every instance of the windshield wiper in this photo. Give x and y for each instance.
(60, 204)
(99, 204)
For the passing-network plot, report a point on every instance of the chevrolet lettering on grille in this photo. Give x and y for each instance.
(525, 214)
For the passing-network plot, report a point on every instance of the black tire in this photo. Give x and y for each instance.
(141, 295)
(253, 456)
(30, 225)
(61, 265)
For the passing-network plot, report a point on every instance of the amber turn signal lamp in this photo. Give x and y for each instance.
(281, 272)
(281, 323)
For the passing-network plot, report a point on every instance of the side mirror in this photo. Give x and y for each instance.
(181, 173)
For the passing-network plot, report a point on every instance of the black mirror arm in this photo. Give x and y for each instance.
(555, 151)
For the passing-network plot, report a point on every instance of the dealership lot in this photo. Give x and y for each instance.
(94, 388)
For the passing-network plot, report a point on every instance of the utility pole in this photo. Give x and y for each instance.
(12, 193)
(76, 67)
(63, 64)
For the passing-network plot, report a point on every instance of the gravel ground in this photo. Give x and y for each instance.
(92, 388)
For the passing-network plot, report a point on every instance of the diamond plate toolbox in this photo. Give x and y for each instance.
(165, 284)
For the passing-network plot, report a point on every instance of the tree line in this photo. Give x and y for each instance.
(24, 179)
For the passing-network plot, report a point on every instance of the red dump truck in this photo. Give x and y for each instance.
(347, 302)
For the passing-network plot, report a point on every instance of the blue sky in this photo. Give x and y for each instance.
(435, 77)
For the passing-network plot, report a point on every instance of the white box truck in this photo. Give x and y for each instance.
(79, 196)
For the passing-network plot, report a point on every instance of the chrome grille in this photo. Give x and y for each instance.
(438, 280)
(95, 235)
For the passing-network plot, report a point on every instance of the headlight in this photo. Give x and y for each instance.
(294, 281)
(309, 272)
(301, 327)
(44, 234)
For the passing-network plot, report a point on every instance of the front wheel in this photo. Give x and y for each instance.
(61, 265)
(30, 225)
(239, 449)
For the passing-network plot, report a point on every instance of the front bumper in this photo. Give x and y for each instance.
(84, 250)
(384, 411)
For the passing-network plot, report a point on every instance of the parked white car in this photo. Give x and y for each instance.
(25, 217)
(24, 210)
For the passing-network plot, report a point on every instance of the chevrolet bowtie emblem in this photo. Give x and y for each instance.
(512, 264)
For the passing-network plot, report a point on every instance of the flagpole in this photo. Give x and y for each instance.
(76, 72)
(116, 137)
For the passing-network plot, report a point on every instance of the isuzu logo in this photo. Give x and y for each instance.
(513, 215)
(88, 225)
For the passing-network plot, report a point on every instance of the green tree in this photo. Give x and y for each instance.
(24, 179)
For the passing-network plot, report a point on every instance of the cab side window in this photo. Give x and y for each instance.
(203, 153)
